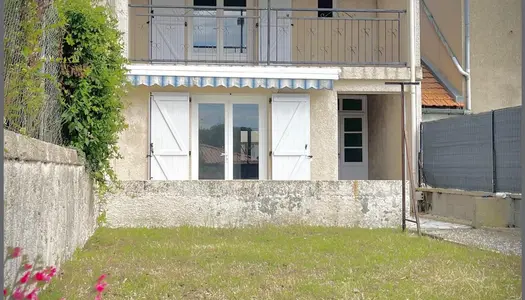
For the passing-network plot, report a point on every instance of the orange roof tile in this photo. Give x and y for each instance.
(434, 94)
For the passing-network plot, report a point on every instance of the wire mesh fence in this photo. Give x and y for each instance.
(32, 45)
(477, 152)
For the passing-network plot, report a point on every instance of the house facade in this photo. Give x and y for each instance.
(494, 40)
(268, 90)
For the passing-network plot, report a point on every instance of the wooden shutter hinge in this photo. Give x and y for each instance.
(270, 154)
(270, 101)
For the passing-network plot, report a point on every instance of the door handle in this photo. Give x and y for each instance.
(224, 154)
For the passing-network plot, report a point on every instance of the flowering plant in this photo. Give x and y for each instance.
(32, 278)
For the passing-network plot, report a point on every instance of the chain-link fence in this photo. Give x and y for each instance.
(32, 45)
(477, 152)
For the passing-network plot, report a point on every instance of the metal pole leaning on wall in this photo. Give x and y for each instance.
(403, 163)
(2, 210)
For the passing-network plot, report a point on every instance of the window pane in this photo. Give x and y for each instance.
(353, 155)
(204, 30)
(324, 4)
(235, 32)
(353, 124)
(235, 3)
(211, 141)
(205, 2)
(245, 141)
(352, 104)
(353, 139)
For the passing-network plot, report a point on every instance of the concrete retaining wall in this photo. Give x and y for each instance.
(50, 208)
(477, 208)
(245, 203)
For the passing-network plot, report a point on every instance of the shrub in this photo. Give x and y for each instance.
(93, 81)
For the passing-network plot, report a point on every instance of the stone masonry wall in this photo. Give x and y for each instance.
(369, 204)
(50, 207)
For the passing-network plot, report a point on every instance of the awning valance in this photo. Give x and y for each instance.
(240, 77)
(267, 83)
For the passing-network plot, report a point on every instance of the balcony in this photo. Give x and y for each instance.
(238, 35)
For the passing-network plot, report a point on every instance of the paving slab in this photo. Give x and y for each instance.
(502, 240)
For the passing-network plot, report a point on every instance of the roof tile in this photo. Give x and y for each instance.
(434, 93)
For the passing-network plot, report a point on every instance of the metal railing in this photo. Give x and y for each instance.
(239, 35)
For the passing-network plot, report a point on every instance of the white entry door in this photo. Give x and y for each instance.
(228, 137)
(353, 139)
(169, 136)
(280, 45)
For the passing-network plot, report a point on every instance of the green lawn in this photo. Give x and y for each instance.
(283, 263)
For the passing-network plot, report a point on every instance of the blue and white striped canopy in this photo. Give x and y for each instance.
(268, 83)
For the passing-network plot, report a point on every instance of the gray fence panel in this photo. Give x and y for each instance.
(507, 149)
(457, 152)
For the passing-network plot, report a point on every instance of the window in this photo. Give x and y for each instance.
(351, 104)
(353, 140)
(325, 4)
(205, 2)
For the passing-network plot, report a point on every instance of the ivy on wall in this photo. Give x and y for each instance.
(93, 81)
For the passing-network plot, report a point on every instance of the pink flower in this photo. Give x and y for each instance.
(52, 272)
(16, 252)
(18, 294)
(98, 296)
(102, 277)
(41, 276)
(5, 292)
(100, 287)
(25, 278)
(28, 266)
(32, 295)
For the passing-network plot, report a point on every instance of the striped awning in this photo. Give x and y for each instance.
(198, 81)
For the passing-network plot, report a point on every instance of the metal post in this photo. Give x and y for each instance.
(403, 154)
(268, 17)
(493, 149)
(2, 201)
(403, 167)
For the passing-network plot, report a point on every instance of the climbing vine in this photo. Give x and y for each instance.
(93, 81)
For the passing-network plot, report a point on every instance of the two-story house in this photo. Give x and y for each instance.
(268, 90)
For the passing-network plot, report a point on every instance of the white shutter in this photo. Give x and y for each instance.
(291, 137)
(167, 32)
(170, 136)
(280, 47)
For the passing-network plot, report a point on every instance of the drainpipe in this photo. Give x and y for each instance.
(467, 53)
(413, 102)
(465, 73)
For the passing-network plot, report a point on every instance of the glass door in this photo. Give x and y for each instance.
(219, 34)
(228, 137)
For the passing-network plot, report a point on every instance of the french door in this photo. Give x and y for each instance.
(228, 137)
(221, 34)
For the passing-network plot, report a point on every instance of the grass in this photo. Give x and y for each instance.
(283, 263)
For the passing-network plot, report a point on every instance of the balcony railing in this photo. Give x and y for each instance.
(239, 35)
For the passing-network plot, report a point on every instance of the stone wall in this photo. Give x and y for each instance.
(50, 208)
(480, 209)
(244, 203)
